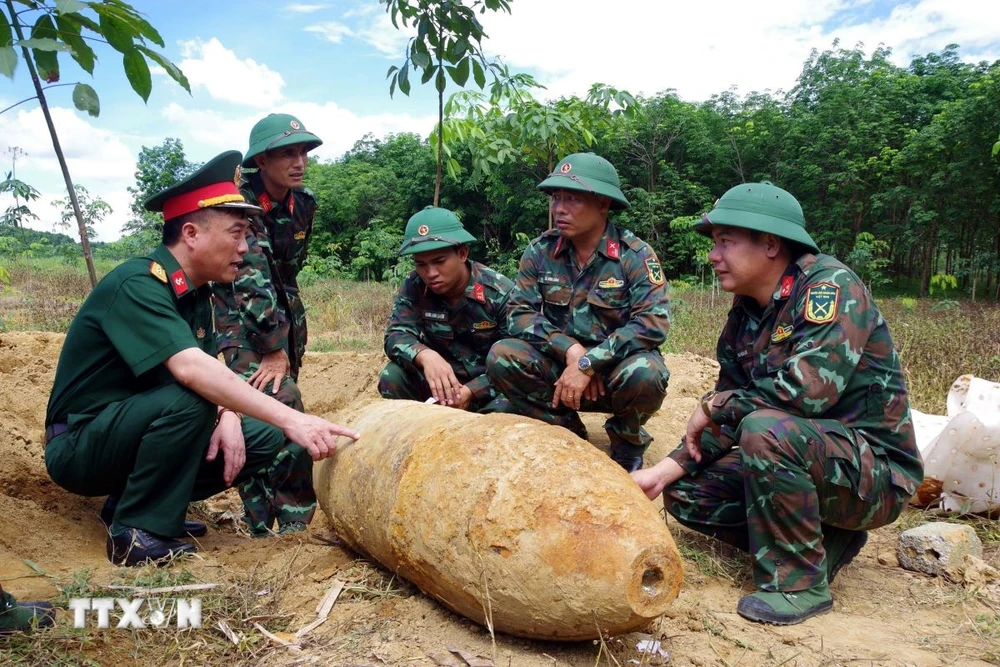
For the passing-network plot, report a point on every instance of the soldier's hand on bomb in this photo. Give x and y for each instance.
(440, 376)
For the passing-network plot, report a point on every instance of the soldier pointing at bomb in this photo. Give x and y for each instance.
(141, 410)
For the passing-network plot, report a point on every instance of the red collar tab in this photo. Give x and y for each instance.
(786, 286)
(613, 250)
(479, 293)
(291, 203)
(179, 282)
(558, 247)
(210, 195)
(265, 202)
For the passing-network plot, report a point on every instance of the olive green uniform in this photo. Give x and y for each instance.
(118, 423)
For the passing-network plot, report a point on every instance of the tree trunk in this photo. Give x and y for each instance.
(929, 253)
(440, 151)
(84, 241)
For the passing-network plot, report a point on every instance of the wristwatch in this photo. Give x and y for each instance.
(706, 403)
(585, 366)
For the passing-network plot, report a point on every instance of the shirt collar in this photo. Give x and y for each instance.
(177, 279)
(609, 245)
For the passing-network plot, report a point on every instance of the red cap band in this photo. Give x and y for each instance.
(201, 198)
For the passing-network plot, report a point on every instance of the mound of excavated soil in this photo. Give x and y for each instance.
(883, 615)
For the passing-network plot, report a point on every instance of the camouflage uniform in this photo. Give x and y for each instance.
(261, 312)
(616, 306)
(462, 334)
(816, 437)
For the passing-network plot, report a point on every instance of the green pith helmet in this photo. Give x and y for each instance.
(587, 172)
(276, 130)
(433, 229)
(762, 207)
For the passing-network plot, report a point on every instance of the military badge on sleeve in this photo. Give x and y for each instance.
(654, 271)
(822, 300)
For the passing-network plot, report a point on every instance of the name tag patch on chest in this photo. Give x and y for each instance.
(822, 300)
(549, 280)
(438, 317)
(611, 283)
(484, 325)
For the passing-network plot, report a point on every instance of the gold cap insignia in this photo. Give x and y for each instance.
(201, 333)
(238, 175)
(295, 124)
(566, 168)
(423, 230)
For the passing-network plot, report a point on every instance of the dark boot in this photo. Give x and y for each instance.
(192, 528)
(23, 616)
(134, 546)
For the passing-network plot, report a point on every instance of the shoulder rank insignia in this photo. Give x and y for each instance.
(781, 333)
(611, 283)
(200, 333)
(484, 325)
(654, 271)
(299, 236)
(479, 293)
(822, 300)
(786, 287)
(158, 272)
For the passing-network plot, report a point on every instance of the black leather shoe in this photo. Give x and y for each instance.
(135, 546)
(192, 528)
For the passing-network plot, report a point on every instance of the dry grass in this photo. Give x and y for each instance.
(938, 340)
(242, 599)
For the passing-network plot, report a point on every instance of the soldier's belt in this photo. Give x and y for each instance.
(54, 431)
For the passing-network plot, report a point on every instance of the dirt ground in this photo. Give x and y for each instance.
(884, 615)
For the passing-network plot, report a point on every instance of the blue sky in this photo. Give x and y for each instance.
(325, 61)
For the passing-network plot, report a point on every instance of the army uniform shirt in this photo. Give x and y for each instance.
(462, 334)
(261, 310)
(820, 350)
(615, 306)
(141, 314)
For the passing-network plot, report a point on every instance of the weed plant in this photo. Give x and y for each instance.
(938, 339)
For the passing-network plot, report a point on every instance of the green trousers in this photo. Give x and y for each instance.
(149, 450)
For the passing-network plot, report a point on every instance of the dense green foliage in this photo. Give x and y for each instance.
(892, 165)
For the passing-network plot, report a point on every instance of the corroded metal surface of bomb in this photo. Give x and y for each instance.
(507, 521)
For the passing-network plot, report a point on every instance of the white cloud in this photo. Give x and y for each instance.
(304, 8)
(207, 133)
(224, 76)
(374, 27)
(97, 159)
(331, 31)
(703, 48)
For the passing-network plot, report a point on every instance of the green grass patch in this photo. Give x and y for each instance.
(938, 340)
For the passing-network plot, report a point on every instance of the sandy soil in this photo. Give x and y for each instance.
(883, 614)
